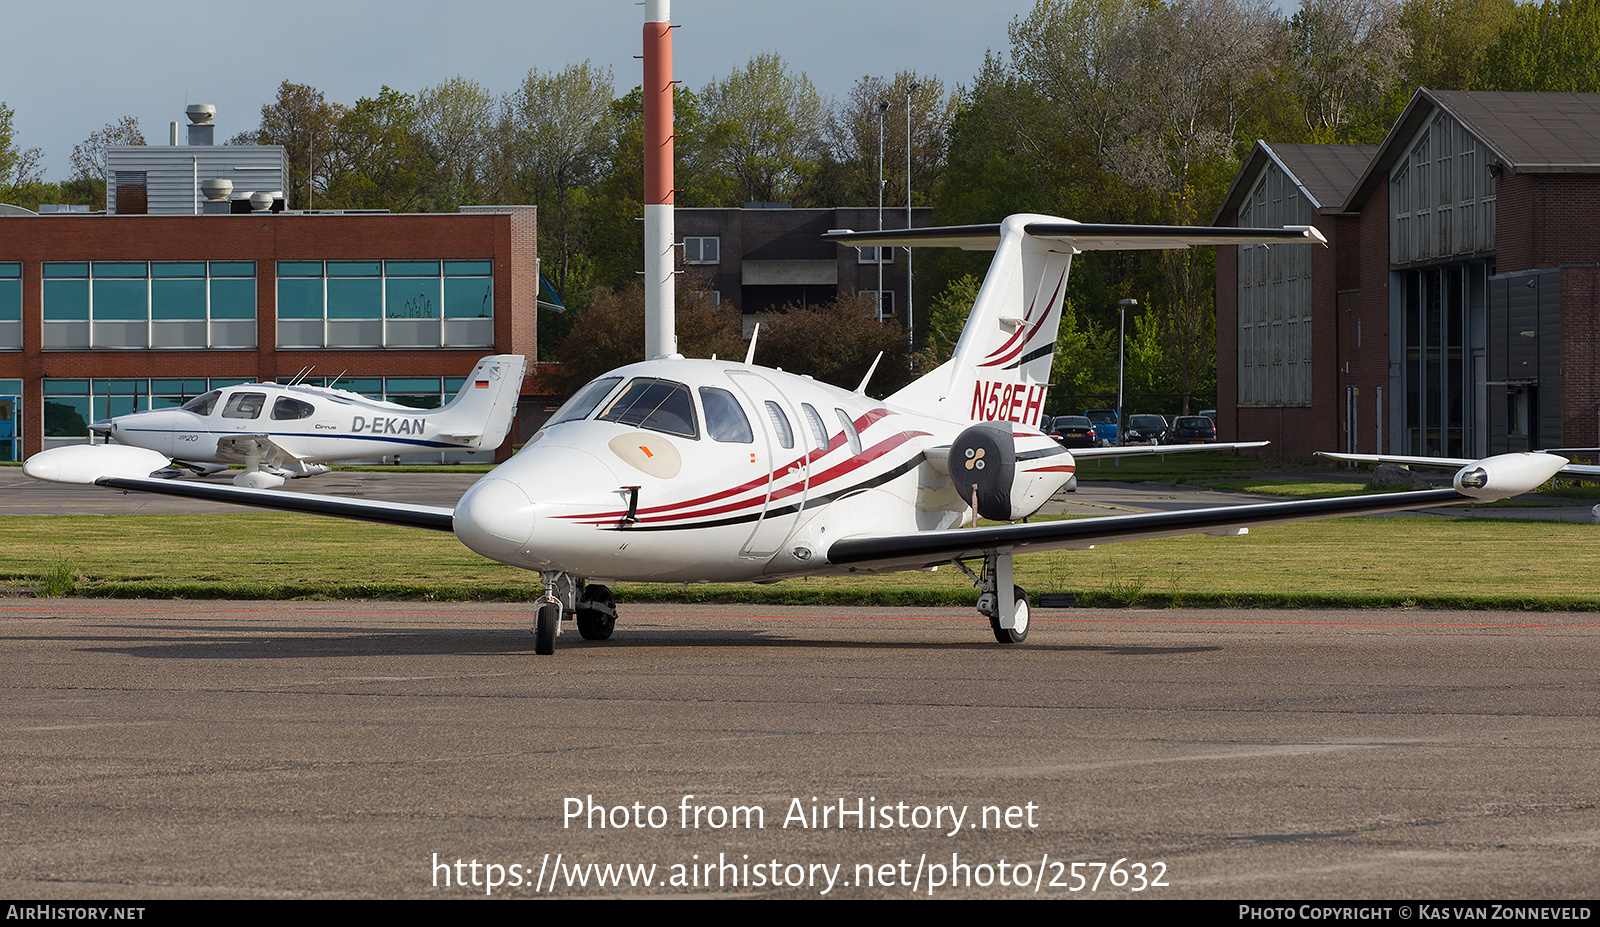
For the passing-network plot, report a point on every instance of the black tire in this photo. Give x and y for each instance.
(596, 622)
(546, 621)
(1019, 633)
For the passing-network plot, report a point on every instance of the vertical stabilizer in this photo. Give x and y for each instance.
(1001, 366)
(481, 413)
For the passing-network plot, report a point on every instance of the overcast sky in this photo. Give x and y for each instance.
(71, 66)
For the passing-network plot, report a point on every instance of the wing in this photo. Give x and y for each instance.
(1571, 470)
(1081, 236)
(1480, 481)
(128, 468)
(1137, 450)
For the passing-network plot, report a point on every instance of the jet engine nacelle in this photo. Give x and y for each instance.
(1011, 475)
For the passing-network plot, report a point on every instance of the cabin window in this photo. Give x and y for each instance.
(659, 405)
(725, 419)
(850, 431)
(245, 405)
(819, 431)
(286, 409)
(780, 424)
(584, 401)
(203, 405)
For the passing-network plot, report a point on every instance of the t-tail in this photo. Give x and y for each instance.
(480, 415)
(1000, 369)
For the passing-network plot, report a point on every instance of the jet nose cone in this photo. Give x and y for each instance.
(495, 518)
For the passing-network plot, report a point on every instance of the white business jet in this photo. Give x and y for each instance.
(715, 470)
(280, 432)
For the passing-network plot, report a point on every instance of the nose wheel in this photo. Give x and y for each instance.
(547, 622)
(1018, 632)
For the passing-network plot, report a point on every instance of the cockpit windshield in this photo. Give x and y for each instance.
(203, 404)
(584, 401)
(659, 405)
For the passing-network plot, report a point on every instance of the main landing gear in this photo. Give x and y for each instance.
(592, 605)
(1008, 614)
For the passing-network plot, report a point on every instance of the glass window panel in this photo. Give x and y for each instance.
(10, 269)
(121, 269)
(66, 387)
(584, 402)
(10, 300)
(121, 300)
(660, 405)
(178, 269)
(366, 386)
(468, 298)
(298, 299)
(245, 405)
(237, 269)
(819, 431)
(178, 299)
(293, 269)
(452, 385)
(355, 299)
(780, 423)
(850, 432)
(468, 268)
(66, 269)
(236, 298)
(66, 300)
(725, 419)
(67, 416)
(413, 299)
(412, 385)
(412, 268)
(353, 269)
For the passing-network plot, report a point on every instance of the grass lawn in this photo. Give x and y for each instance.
(1422, 560)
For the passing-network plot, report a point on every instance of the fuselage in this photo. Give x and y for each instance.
(681, 470)
(312, 424)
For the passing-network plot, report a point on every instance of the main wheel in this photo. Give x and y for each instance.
(545, 623)
(597, 613)
(1019, 633)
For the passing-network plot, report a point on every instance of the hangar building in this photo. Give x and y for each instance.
(1456, 311)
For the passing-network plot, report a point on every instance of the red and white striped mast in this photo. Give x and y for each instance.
(660, 333)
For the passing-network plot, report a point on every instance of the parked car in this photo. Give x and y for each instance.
(1105, 424)
(1073, 431)
(1145, 429)
(1192, 429)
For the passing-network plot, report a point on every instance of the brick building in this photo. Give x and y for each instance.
(767, 256)
(1455, 310)
(102, 315)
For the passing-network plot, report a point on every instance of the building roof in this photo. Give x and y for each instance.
(1325, 174)
(1526, 132)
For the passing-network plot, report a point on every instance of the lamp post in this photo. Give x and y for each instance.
(911, 342)
(1123, 305)
(877, 251)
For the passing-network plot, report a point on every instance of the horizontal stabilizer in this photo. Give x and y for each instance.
(1140, 450)
(1082, 236)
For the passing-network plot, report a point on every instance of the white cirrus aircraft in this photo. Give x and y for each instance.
(280, 432)
(693, 470)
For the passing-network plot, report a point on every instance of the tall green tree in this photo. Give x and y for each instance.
(457, 121)
(1551, 47)
(18, 166)
(769, 129)
(89, 155)
(854, 130)
(1346, 54)
(558, 128)
(303, 122)
(379, 160)
(1448, 39)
